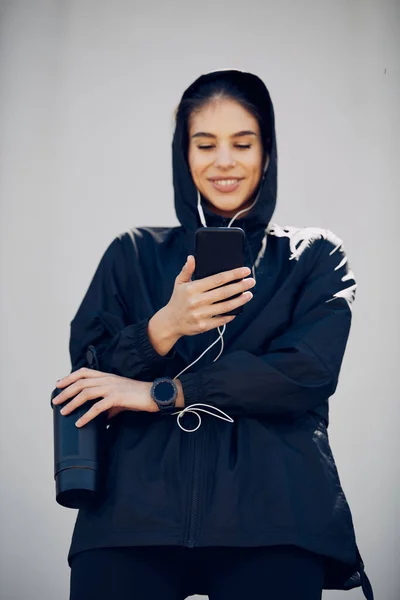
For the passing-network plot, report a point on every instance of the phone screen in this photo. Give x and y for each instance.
(219, 249)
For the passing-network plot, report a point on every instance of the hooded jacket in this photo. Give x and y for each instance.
(269, 477)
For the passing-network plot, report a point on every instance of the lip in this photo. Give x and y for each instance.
(225, 189)
(224, 178)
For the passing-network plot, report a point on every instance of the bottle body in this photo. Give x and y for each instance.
(79, 452)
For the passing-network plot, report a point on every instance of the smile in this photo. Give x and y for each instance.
(225, 181)
(225, 185)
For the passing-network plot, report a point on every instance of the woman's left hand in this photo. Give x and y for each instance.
(117, 393)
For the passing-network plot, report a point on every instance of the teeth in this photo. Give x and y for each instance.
(226, 181)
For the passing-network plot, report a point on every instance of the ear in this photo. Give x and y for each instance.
(266, 164)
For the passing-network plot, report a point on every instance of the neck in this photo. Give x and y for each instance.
(228, 214)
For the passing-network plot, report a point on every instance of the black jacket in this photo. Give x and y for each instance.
(267, 478)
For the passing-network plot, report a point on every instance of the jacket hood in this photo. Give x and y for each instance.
(185, 191)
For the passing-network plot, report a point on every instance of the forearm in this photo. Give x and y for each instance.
(246, 385)
(161, 333)
(128, 353)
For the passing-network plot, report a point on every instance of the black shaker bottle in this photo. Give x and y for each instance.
(79, 452)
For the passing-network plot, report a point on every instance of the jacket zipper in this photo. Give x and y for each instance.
(195, 493)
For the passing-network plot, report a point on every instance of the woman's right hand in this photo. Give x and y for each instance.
(192, 310)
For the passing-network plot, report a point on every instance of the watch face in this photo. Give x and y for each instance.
(165, 392)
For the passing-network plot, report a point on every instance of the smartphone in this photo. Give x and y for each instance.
(219, 249)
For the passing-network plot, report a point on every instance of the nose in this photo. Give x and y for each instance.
(224, 158)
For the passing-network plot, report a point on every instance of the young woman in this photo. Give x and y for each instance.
(231, 489)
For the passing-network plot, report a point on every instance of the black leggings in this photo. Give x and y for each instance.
(176, 572)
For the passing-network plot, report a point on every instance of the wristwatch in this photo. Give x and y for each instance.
(164, 393)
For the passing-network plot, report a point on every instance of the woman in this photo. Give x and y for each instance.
(246, 503)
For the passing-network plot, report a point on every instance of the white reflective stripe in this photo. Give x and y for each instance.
(349, 275)
(298, 236)
(337, 248)
(348, 294)
(341, 264)
(303, 237)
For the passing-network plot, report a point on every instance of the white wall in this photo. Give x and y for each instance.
(87, 93)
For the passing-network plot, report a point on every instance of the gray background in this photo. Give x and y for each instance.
(87, 94)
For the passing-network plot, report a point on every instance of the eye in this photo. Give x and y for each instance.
(240, 146)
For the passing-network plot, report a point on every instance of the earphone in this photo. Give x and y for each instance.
(220, 337)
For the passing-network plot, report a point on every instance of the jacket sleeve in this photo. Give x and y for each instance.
(102, 321)
(299, 369)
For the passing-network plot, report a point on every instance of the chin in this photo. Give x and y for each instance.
(229, 207)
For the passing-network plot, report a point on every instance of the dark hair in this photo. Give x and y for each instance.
(245, 88)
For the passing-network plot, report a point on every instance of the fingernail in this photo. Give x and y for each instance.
(62, 411)
(78, 423)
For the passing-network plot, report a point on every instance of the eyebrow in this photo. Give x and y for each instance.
(211, 135)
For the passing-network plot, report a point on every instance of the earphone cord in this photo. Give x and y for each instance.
(194, 408)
